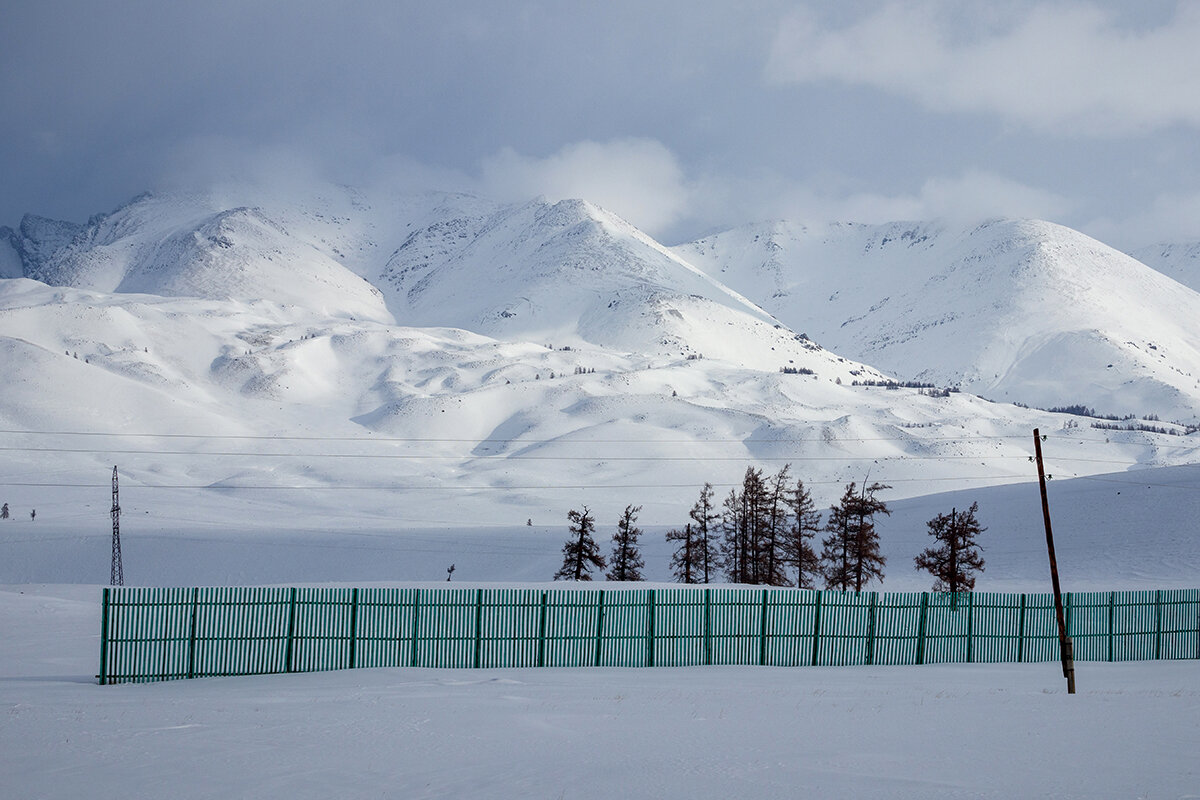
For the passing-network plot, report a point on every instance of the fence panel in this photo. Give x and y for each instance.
(571, 628)
(948, 627)
(846, 618)
(681, 628)
(148, 634)
(511, 625)
(1041, 629)
(998, 627)
(898, 628)
(240, 631)
(384, 627)
(446, 628)
(791, 619)
(1089, 625)
(1179, 627)
(735, 626)
(153, 634)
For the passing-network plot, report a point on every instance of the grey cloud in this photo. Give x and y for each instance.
(1071, 69)
(105, 100)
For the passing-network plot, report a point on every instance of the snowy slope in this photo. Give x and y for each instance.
(1179, 261)
(456, 427)
(1024, 311)
(184, 246)
(569, 273)
(566, 273)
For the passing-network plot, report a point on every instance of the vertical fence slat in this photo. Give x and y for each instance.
(708, 626)
(478, 627)
(191, 663)
(650, 627)
(1157, 625)
(921, 627)
(599, 625)
(816, 648)
(970, 627)
(541, 659)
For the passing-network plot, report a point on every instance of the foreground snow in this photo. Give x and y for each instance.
(921, 732)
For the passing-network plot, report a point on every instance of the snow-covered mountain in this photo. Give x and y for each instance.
(466, 361)
(570, 273)
(181, 246)
(1179, 261)
(564, 273)
(1016, 310)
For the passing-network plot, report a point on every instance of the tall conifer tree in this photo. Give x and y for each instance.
(705, 517)
(685, 561)
(803, 523)
(851, 556)
(626, 561)
(957, 558)
(580, 553)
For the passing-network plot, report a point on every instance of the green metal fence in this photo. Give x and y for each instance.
(160, 634)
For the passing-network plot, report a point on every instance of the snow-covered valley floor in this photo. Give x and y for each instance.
(963, 731)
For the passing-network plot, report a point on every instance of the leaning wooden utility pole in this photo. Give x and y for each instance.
(117, 571)
(1064, 641)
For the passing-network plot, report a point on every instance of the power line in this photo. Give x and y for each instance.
(517, 457)
(519, 440)
(531, 441)
(497, 488)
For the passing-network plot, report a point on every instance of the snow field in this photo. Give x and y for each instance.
(905, 732)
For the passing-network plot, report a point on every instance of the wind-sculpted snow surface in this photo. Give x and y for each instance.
(1023, 311)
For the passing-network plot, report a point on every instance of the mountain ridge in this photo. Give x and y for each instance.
(1019, 310)
(623, 367)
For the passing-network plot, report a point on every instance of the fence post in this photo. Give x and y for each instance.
(541, 657)
(707, 628)
(353, 626)
(970, 626)
(1112, 613)
(871, 629)
(921, 628)
(104, 637)
(599, 624)
(762, 634)
(416, 618)
(1021, 633)
(291, 631)
(650, 627)
(191, 673)
(1157, 624)
(817, 629)
(478, 626)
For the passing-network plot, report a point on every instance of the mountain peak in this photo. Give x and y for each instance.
(1017, 309)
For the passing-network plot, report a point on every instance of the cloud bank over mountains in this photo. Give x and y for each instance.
(682, 119)
(1069, 69)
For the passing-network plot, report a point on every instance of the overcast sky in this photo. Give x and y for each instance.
(684, 117)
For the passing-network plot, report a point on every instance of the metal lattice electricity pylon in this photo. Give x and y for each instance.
(117, 575)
